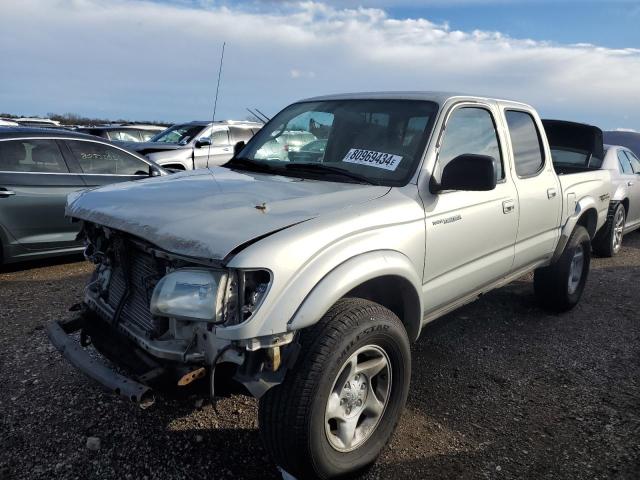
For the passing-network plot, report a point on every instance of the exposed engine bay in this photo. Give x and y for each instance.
(154, 314)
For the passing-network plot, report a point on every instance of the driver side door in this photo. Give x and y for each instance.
(220, 151)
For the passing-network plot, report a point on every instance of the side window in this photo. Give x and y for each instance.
(625, 164)
(98, 158)
(220, 137)
(525, 143)
(240, 134)
(41, 156)
(470, 130)
(635, 163)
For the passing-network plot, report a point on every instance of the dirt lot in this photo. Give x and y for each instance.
(500, 390)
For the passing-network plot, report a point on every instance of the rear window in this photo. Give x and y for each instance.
(525, 143)
(34, 156)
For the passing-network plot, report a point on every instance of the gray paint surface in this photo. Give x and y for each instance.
(206, 213)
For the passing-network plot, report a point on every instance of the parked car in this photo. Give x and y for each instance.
(624, 209)
(37, 122)
(308, 280)
(38, 169)
(8, 123)
(283, 144)
(192, 145)
(124, 133)
(628, 139)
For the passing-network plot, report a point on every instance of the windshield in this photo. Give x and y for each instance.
(178, 134)
(380, 141)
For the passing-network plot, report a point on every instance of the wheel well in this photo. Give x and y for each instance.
(589, 220)
(625, 204)
(398, 295)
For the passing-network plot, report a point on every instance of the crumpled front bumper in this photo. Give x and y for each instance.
(59, 335)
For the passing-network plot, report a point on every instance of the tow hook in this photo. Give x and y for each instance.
(192, 376)
(273, 358)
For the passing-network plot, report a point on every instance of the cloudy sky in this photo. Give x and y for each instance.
(137, 59)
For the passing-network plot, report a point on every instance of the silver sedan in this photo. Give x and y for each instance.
(624, 212)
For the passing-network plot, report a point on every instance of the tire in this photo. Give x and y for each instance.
(559, 286)
(608, 241)
(298, 428)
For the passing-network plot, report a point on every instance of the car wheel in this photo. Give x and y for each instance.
(608, 242)
(559, 286)
(338, 407)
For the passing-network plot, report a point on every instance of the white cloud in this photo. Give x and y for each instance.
(147, 60)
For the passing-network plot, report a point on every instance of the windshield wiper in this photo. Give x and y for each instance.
(250, 164)
(321, 167)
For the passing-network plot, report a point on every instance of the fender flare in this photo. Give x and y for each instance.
(352, 273)
(582, 206)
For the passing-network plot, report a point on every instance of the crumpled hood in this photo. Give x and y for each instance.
(207, 213)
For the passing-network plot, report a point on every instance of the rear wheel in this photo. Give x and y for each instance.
(338, 407)
(608, 242)
(559, 286)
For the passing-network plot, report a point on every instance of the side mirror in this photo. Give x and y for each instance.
(468, 172)
(203, 142)
(237, 148)
(154, 172)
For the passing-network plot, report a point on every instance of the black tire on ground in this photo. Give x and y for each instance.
(292, 415)
(559, 287)
(603, 244)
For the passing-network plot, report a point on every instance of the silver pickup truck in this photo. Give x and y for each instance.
(304, 280)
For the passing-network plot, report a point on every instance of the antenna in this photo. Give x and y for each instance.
(215, 103)
(254, 114)
(263, 114)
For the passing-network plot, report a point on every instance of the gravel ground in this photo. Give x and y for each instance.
(500, 389)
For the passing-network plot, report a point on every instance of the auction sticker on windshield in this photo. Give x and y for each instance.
(388, 161)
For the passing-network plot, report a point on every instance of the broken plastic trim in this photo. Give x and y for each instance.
(79, 358)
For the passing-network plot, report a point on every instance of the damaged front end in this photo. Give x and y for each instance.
(154, 315)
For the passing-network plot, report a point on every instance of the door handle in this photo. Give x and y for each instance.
(6, 193)
(508, 206)
(551, 193)
(226, 149)
(630, 183)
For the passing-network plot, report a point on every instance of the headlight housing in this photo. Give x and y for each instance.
(190, 294)
(214, 296)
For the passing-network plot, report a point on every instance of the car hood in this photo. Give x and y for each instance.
(207, 213)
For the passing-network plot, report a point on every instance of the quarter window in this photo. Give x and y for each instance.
(471, 130)
(98, 158)
(41, 156)
(525, 143)
(625, 164)
(635, 163)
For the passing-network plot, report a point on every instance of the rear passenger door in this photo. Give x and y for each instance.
(539, 192)
(34, 183)
(102, 164)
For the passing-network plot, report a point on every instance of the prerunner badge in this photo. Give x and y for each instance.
(388, 161)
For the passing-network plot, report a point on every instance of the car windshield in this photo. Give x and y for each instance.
(378, 141)
(178, 134)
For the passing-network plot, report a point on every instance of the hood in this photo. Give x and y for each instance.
(207, 213)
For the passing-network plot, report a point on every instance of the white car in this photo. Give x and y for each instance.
(624, 211)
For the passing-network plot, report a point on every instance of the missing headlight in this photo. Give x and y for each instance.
(245, 292)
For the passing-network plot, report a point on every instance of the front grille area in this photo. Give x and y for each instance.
(143, 272)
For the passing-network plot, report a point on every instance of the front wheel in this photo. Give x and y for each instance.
(338, 407)
(559, 286)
